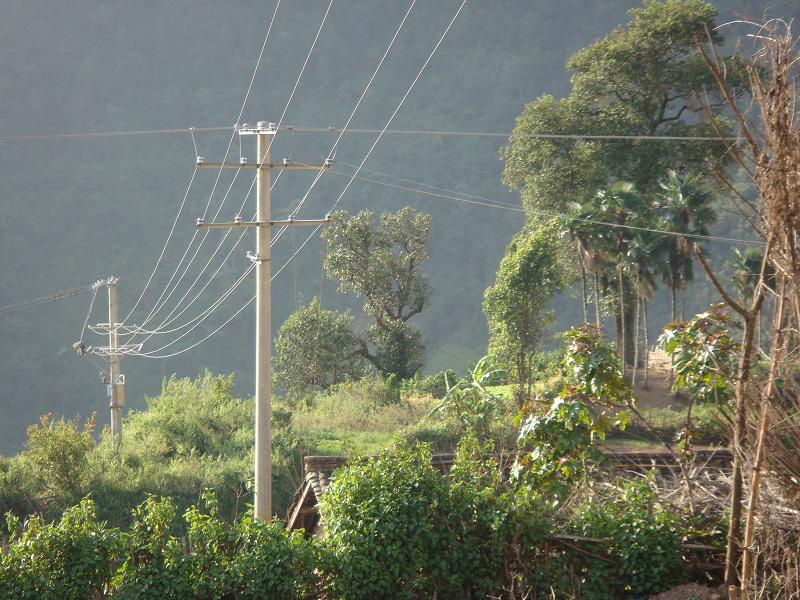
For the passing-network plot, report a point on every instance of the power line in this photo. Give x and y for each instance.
(366, 157)
(493, 204)
(192, 130)
(330, 153)
(283, 114)
(43, 299)
(362, 130)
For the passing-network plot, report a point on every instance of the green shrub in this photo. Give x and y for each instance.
(68, 560)
(381, 529)
(154, 564)
(247, 560)
(397, 528)
(250, 560)
(642, 554)
(434, 385)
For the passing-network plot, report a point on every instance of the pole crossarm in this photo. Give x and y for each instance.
(281, 165)
(115, 350)
(290, 221)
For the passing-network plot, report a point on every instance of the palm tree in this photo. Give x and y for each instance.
(645, 257)
(606, 219)
(685, 208)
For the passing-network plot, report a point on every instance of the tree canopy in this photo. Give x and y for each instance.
(516, 306)
(380, 263)
(315, 349)
(643, 79)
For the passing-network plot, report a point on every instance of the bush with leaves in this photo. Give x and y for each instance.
(67, 560)
(556, 448)
(640, 550)
(396, 527)
(435, 384)
(381, 528)
(247, 560)
(54, 471)
(703, 355)
(470, 402)
(315, 349)
(154, 564)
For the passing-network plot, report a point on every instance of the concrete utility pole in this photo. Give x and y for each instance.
(117, 379)
(263, 259)
(114, 352)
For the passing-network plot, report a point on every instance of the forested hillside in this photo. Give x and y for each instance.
(75, 210)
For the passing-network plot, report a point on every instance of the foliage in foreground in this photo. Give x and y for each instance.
(194, 435)
(395, 527)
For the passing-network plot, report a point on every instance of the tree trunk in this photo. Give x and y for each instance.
(673, 297)
(683, 303)
(621, 318)
(637, 327)
(597, 299)
(755, 475)
(673, 291)
(583, 292)
(646, 343)
(629, 316)
(739, 440)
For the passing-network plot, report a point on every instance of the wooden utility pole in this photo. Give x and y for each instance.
(116, 378)
(265, 132)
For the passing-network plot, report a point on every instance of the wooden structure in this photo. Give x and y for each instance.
(319, 471)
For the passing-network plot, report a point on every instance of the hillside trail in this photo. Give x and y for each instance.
(658, 393)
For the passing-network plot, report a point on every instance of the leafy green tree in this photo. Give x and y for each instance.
(645, 259)
(381, 264)
(516, 306)
(53, 473)
(608, 223)
(557, 448)
(703, 356)
(641, 79)
(315, 349)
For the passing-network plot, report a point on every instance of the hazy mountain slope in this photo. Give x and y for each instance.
(77, 210)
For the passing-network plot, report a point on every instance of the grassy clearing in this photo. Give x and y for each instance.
(360, 417)
(363, 417)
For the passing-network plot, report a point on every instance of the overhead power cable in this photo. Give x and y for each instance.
(330, 155)
(206, 233)
(383, 131)
(88, 312)
(361, 130)
(192, 130)
(169, 319)
(44, 299)
(353, 112)
(456, 196)
(366, 157)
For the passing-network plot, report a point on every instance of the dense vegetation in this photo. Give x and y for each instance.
(395, 526)
(531, 508)
(109, 202)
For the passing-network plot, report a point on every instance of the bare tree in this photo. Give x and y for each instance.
(769, 152)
